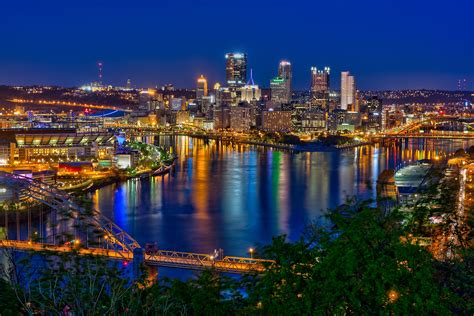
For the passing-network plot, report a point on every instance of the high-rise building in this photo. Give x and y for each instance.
(279, 91)
(320, 87)
(277, 121)
(281, 85)
(168, 87)
(240, 118)
(148, 100)
(374, 104)
(201, 90)
(236, 69)
(225, 96)
(348, 91)
(373, 115)
(285, 72)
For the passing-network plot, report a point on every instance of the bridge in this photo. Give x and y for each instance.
(429, 128)
(430, 135)
(69, 226)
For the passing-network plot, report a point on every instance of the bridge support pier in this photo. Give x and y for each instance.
(138, 262)
(139, 267)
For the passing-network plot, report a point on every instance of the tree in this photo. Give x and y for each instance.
(8, 302)
(360, 265)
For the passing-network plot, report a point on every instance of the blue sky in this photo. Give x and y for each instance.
(386, 44)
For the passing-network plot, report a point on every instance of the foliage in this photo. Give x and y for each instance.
(9, 304)
(332, 140)
(360, 264)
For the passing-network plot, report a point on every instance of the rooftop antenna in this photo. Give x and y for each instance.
(100, 65)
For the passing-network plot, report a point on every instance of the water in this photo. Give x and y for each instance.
(236, 197)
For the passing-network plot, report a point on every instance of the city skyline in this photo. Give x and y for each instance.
(391, 45)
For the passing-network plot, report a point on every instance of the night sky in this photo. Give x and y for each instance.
(386, 44)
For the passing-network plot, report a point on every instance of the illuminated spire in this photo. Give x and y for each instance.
(251, 82)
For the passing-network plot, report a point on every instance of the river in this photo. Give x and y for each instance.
(239, 196)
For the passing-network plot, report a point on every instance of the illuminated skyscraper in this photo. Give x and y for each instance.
(320, 87)
(201, 90)
(236, 69)
(348, 91)
(281, 85)
(285, 72)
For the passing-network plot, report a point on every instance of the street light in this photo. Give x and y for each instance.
(251, 250)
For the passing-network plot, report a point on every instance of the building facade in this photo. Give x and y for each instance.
(277, 121)
(236, 69)
(320, 87)
(348, 91)
(240, 118)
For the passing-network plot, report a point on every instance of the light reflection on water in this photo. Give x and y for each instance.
(234, 197)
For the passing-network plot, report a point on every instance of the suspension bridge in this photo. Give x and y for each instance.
(55, 222)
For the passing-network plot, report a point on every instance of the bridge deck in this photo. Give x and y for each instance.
(162, 258)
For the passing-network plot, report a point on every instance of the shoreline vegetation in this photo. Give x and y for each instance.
(153, 161)
(288, 141)
(360, 264)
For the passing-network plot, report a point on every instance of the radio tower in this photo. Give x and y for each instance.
(99, 64)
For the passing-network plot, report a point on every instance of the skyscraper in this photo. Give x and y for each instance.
(279, 91)
(281, 85)
(236, 69)
(201, 90)
(320, 87)
(284, 71)
(348, 91)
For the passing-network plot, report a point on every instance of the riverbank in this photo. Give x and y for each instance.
(316, 146)
(101, 183)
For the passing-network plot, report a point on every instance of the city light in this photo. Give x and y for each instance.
(340, 188)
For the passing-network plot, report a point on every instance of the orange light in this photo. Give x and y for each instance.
(393, 296)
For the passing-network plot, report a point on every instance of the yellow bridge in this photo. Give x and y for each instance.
(100, 236)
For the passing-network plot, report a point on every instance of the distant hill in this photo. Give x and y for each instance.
(421, 96)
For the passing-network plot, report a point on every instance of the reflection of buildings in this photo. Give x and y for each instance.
(386, 188)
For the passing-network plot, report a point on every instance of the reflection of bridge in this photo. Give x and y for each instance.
(74, 227)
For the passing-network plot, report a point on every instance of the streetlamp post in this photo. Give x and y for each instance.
(251, 250)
